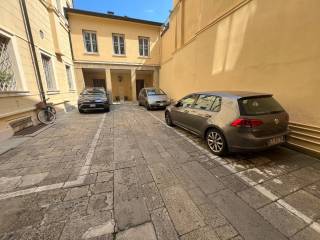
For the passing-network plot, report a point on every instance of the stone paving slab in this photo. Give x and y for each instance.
(248, 222)
(125, 175)
(184, 213)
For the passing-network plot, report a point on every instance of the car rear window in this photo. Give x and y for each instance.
(93, 92)
(259, 106)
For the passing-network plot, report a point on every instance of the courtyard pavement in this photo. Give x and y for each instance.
(126, 175)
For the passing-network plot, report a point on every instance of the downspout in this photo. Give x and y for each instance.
(33, 49)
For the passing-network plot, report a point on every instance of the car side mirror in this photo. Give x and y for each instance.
(178, 104)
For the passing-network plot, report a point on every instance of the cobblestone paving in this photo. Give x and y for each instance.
(125, 175)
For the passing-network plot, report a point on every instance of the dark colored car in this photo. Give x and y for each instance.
(93, 99)
(153, 98)
(231, 121)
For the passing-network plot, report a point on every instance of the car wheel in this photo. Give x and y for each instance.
(216, 142)
(148, 106)
(107, 109)
(168, 119)
(80, 110)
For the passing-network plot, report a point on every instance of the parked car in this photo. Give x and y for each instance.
(153, 98)
(231, 121)
(93, 99)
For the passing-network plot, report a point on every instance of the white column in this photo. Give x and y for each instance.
(133, 84)
(109, 84)
(156, 77)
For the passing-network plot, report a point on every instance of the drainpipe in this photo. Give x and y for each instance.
(33, 50)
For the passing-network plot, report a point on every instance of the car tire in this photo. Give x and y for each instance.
(148, 107)
(80, 110)
(168, 119)
(216, 142)
(107, 109)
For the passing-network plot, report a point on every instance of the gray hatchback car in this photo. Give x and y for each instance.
(153, 98)
(231, 121)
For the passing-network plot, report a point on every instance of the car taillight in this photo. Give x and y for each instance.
(243, 122)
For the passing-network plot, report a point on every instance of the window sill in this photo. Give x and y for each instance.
(93, 53)
(53, 92)
(119, 55)
(14, 94)
(143, 57)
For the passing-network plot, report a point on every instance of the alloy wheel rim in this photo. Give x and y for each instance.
(215, 142)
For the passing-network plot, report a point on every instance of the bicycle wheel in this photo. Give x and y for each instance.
(53, 110)
(45, 116)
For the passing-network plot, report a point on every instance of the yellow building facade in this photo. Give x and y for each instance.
(19, 87)
(120, 54)
(250, 45)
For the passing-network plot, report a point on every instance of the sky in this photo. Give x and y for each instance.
(153, 10)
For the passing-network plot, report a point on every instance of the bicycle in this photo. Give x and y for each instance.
(47, 113)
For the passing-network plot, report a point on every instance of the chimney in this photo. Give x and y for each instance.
(110, 13)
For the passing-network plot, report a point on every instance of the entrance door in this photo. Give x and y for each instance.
(139, 86)
(99, 83)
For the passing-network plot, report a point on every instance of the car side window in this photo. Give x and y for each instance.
(204, 102)
(188, 101)
(216, 105)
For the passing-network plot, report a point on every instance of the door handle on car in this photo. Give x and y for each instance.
(186, 111)
(207, 116)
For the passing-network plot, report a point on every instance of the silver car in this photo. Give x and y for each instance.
(153, 98)
(231, 121)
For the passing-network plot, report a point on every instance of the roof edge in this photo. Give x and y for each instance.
(109, 16)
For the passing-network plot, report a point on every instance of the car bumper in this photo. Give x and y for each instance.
(93, 106)
(159, 105)
(249, 143)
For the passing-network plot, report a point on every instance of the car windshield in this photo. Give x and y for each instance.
(94, 92)
(259, 106)
(155, 91)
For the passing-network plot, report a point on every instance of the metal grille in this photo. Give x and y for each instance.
(7, 78)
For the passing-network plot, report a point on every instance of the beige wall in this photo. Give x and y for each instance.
(104, 28)
(255, 45)
(258, 47)
(43, 17)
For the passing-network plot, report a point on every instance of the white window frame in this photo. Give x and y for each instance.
(59, 5)
(91, 42)
(118, 35)
(55, 83)
(71, 80)
(143, 46)
(16, 58)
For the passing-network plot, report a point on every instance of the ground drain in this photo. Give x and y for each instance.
(29, 130)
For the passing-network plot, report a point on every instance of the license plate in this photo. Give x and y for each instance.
(275, 141)
(92, 105)
(161, 104)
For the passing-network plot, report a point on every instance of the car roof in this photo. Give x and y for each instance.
(149, 88)
(234, 94)
(94, 89)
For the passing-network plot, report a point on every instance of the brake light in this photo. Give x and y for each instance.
(243, 122)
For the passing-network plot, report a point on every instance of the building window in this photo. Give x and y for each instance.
(118, 44)
(69, 77)
(58, 3)
(90, 41)
(144, 46)
(7, 74)
(48, 71)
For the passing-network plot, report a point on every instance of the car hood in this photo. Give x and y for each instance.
(91, 98)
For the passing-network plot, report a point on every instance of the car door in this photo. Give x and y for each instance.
(206, 107)
(180, 113)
